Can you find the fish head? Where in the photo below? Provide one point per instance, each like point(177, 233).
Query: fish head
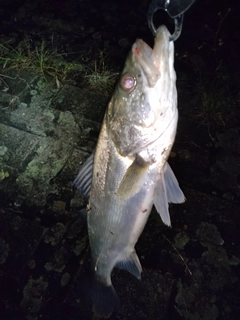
point(145, 100)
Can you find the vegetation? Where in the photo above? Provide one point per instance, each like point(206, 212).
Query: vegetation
point(47, 61)
point(99, 76)
point(212, 102)
point(211, 86)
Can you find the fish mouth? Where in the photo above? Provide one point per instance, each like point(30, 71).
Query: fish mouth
point(152, 61)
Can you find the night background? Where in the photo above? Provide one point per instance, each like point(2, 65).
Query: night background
point(59, 64)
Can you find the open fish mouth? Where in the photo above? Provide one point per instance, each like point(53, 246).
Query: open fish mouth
point(152, 60)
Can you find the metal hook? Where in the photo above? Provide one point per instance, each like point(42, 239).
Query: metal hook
point(174, 8)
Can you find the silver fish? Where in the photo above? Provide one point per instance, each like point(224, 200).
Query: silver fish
point(128, 172)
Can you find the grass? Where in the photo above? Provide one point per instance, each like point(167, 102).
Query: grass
point(212, 102)
point(45, 60)
point(40, 59)
point(101, 80)
point(98, 76)
point(212, 92)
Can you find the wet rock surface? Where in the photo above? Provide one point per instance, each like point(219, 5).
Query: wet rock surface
point(49, 124)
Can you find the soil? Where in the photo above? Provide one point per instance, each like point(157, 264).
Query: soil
point(50, 119)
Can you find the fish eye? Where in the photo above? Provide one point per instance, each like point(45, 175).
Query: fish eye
point(127, 82)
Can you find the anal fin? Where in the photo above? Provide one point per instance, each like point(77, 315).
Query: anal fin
point(132, 265)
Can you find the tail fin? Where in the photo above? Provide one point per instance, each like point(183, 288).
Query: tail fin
point(103, 297)
point(105, 300)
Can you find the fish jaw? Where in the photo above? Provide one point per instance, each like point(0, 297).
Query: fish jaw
point(138, 117)
point(163, 52)
point(143, 55)
point(155, 62)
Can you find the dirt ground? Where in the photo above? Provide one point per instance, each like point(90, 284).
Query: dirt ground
point(58, 65)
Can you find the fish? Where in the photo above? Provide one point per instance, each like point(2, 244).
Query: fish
point(128, 171)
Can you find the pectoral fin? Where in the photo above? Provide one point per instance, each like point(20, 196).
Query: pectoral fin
point(133, 179)
point(132, 265)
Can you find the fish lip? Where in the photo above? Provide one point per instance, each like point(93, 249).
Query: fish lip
point(162, 38)
point(144, 47)
point(162, 45)
point(142, 58)
point(149, 58)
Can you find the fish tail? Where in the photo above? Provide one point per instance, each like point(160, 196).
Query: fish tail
point(104, 298)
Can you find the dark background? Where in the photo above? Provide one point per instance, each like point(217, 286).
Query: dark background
point(180, 281)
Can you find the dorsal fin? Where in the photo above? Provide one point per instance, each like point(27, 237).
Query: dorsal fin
point(83, 181)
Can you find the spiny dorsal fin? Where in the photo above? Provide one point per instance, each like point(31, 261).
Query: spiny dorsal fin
point(83, 181)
